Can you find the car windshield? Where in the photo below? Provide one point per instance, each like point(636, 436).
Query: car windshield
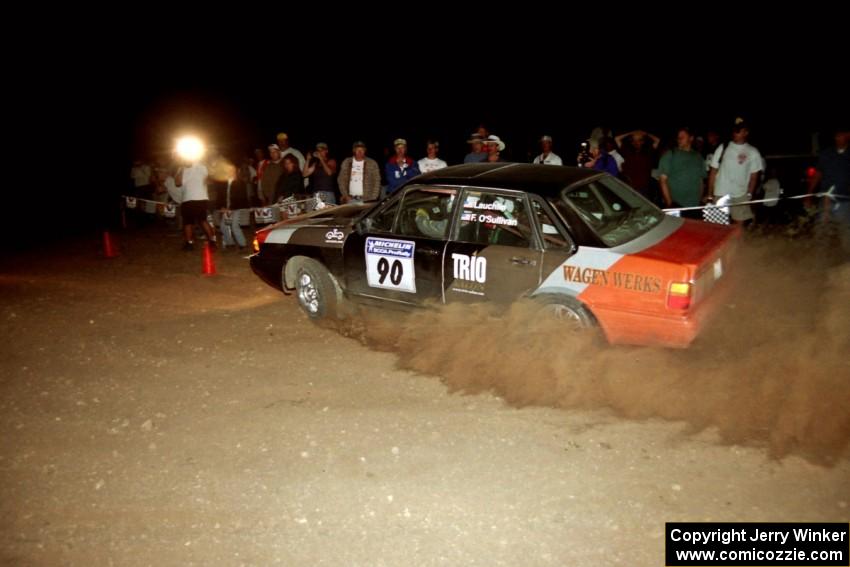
point(612, 209)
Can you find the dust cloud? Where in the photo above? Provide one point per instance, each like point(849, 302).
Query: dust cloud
point(771, 369)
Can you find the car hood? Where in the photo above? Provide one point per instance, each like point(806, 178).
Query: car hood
point(331, 217)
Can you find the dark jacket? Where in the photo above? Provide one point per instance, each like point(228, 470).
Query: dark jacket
point(606, 162)
point(238, 195)
point(400, 173)
point(289, 185)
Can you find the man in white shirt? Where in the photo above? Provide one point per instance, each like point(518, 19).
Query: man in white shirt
point(432, 162)
point(735, 171)
point(547, 157)
point(196, 203)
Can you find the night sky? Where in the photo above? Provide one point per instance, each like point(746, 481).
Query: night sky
point(103, 110)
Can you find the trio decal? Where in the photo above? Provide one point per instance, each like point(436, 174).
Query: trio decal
point(470, 273)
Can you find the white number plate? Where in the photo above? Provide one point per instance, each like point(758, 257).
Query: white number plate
point(389, 264)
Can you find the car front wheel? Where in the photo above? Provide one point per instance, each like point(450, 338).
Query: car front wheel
point(315, 290)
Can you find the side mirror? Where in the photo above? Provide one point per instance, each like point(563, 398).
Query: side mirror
point(363, 225)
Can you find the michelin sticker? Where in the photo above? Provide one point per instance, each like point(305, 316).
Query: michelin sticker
point(389, 264)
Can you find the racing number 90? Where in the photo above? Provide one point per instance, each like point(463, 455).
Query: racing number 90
point(395, 272)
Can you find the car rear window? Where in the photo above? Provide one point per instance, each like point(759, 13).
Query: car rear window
point(612, 210)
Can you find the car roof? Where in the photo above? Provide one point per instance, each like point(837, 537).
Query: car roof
point(544, 180)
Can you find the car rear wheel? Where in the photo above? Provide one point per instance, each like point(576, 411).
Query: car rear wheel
point(315, 290)
point(567, 309)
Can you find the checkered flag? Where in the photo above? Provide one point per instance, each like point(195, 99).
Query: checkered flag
point(718, 213)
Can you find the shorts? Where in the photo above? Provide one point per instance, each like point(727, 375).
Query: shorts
point(194, 212)
point(741, 212)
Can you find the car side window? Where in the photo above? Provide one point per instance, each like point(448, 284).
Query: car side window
point(494, 218)
point(553, 238)
point(426, 212)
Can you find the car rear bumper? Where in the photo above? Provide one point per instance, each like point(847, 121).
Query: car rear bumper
point(660, 329)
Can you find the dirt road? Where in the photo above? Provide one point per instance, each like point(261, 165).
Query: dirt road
point(151, 416)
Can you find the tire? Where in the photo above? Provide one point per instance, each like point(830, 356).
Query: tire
point(316, 291)
point(567, 308)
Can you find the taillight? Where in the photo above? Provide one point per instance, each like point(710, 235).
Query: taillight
point(810, 172)
point(679, 295)
point(259, 238)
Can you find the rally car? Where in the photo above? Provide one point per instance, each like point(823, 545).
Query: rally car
point(581, 243)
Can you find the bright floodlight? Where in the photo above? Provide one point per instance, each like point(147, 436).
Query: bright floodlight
point(190, 148)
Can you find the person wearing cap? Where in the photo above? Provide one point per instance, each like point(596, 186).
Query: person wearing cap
point(321, 171)
point(735, 170)
point(268, 174)
point(286, 149)
point(431, 162)
point(495, 147)
point(547, 157)
point(359, 177)
point(477, 154)
point(400, 168)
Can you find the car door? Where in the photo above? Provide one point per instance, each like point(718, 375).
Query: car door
point(495, 253)
point(558, 245)
point(396, 254)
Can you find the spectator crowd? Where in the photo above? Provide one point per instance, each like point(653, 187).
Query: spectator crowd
point(692, 171)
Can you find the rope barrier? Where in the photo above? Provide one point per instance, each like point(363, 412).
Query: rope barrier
point(718, 212)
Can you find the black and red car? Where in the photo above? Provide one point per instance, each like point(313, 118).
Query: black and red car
point(581, 243)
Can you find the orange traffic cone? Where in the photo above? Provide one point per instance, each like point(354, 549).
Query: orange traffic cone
point(209, 262)
point(110, 250)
